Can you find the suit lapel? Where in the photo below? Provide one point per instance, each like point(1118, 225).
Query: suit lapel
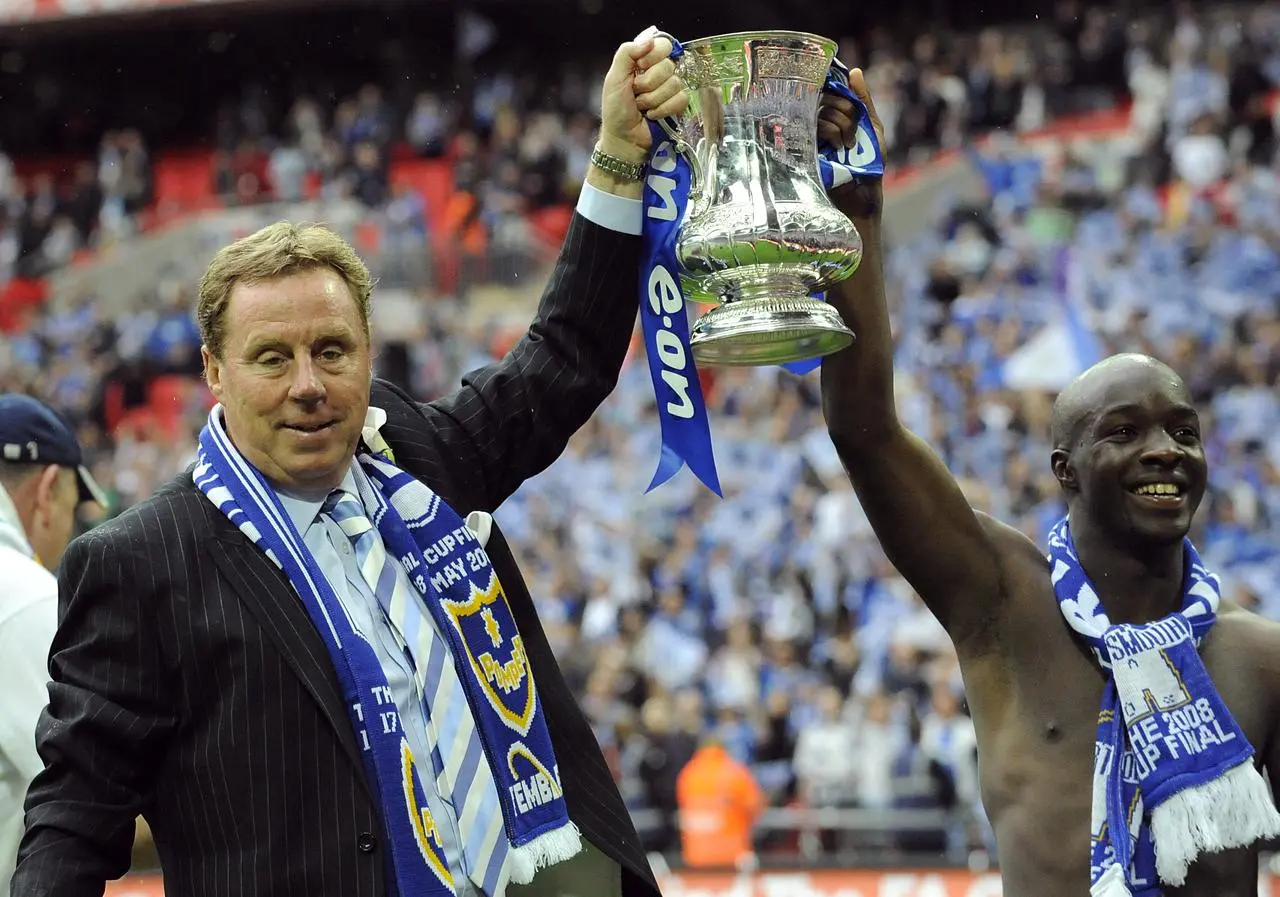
point(266, 592)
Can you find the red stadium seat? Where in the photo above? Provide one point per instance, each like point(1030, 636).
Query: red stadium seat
point(433, 178)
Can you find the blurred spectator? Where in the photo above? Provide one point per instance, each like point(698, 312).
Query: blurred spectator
point(41, 485)
point(666, 748)
point(826, 759)
point(428, 126)
point(879, 741)
point(949, 743)
point(1200, 155)
point(719, 802)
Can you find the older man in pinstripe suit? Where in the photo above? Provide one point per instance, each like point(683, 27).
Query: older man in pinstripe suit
point(190, 685)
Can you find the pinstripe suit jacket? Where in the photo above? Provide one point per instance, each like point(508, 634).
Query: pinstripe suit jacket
point(190, 686)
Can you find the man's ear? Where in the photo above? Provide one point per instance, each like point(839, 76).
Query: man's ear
point(46, 492)
point(212, 372)
point(1063, 471)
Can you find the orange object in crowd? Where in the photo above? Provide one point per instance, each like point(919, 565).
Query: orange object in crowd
point(718, 801)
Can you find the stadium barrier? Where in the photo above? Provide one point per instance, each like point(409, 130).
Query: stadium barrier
point(800, 883)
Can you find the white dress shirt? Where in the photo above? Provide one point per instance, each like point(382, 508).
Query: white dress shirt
point(336, 559)
point(614, 212)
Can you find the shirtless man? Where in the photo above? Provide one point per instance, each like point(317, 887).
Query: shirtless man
point(1033, 684)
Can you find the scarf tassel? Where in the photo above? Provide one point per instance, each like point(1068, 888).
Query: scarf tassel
point(555, 846)
point(1233, 810)
point(1111, 884)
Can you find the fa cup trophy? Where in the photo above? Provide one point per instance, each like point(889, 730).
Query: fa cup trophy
point(759, 238)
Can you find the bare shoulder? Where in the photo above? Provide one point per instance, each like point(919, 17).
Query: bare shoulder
point(1249, 646)
point(1013, 549)
point(1256, 638)
point(1243, 654)
point(1247, 627)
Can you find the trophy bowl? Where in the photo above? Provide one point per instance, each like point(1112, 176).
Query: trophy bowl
point(760, 237)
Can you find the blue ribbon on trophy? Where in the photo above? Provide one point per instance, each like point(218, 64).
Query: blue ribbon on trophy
point(682, 412)
point(664, 317)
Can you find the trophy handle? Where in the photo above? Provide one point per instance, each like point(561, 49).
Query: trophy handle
point(670, 126)
point(681, 146)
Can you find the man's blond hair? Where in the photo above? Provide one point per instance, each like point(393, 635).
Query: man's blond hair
point(277, 250)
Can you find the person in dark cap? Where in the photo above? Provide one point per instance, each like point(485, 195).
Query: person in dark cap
point(43, 481)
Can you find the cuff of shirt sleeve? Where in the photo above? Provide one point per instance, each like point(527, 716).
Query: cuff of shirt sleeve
point(618, 213)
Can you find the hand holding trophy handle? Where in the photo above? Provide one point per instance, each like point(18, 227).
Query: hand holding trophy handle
point(842, 124)
point(641, 85)
point(670, 125)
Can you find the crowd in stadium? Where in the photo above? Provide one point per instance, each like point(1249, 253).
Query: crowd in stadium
point(771, 615)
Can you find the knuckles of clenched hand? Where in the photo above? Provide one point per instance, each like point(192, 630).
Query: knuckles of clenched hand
point(836, 120)
point(642, 83)
point(862, 198)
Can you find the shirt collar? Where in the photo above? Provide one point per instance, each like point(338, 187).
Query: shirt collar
point(12, 533)
point(304, 510)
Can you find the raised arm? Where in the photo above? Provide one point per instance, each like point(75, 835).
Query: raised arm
point(516, 416)
point(103, 734)
point(923, 521)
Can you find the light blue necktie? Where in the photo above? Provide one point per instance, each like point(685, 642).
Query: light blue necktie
point(462, 774)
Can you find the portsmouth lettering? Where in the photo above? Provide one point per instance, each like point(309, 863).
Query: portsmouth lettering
point(506, 676)
point(1131, 640)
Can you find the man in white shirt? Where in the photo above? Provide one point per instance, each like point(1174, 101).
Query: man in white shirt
point(42, 482)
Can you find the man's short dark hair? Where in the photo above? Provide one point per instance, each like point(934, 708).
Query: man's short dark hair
point(14, 473)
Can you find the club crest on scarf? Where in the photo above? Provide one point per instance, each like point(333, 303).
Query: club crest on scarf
point(500, 664)
point(425, 833)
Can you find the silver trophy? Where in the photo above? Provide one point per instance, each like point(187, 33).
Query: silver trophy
point(759, 235)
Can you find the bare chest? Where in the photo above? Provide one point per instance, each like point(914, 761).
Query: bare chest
point(1049, 687)
point(1035, 704)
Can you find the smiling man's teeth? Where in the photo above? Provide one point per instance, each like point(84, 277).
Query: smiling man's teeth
point(1159, 489)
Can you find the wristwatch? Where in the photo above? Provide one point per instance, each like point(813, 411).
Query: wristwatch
point(620, 168)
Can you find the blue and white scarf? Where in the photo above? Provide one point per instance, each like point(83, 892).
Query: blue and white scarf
point(1176, 779)
point(682, 411)
point(457, 582)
